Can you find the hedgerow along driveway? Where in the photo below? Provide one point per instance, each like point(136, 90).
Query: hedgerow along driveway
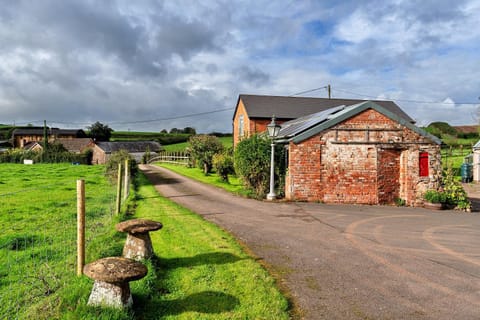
point(346, 261)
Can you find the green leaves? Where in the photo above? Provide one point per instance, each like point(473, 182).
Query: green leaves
point(454, 191)
point(252, 164)
point(202, 148)
point(223, 164)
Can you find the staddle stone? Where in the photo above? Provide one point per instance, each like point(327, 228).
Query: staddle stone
point(138, 245)
point(111, 275)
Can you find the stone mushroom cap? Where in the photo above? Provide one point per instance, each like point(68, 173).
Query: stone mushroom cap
point(115, 269)
point(138, 226)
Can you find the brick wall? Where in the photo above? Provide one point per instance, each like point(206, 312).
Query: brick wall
point(367, 159)
point(251, 126)
point(304, 167)
point(240, 111)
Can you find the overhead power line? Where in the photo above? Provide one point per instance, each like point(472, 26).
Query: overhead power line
point(307, 91)
point(405, 100)
point(173, 118)
point(135, 122)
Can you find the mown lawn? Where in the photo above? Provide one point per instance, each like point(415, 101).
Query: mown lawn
point(199, 271)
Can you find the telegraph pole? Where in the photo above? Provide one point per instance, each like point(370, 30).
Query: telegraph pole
point(45, 137)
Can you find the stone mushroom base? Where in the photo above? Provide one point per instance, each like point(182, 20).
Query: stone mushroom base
point(112, 275)
point(110, 294)
point(138, 246)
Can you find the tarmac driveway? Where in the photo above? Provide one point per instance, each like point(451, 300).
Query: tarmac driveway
point(350, 262)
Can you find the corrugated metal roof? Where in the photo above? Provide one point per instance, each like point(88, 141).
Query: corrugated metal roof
point(301, 129)
point(477, 145)
point(293, 127)
point(288, 108)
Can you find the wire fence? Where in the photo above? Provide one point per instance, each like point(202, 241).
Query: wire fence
point(38, 235)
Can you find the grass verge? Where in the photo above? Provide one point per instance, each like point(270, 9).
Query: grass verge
point(234, 185)
point(200, 271)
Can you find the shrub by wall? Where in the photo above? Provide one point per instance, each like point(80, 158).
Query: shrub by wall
point(252, 164)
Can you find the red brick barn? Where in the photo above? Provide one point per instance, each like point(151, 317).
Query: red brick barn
point(361, 154)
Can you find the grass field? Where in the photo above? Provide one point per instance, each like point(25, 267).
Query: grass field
point(38, 239)
point(454, 157)
point(179, 147)
point(199, 271)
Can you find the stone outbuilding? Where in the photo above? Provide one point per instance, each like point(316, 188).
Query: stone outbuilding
point(102, 150)
point(359, 154)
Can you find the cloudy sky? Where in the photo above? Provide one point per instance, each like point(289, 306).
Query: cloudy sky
point(153, 65)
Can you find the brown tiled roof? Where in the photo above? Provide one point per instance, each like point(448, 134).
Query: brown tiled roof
point(75, 145)
point(288, 108)
point(467, 129)
point(129, 146)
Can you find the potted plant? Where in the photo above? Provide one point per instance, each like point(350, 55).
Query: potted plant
point(435, 200)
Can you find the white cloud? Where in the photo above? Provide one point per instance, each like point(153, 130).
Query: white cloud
point(123, 61)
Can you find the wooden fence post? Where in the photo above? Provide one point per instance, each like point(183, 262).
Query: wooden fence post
point(119, 189)
point(127, 179)
point(80, 226)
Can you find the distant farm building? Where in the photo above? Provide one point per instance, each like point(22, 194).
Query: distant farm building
point(21, 137)
point(103, 150)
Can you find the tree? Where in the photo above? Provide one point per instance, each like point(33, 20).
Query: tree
point(202, 148)
point(100, 131)
point(441, 128)
point(189, 130)
point(111, 167)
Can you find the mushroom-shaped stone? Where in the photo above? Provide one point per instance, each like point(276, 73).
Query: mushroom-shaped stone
point(138, 245)
point(112, 276)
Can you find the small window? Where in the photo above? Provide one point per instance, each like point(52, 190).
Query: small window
point(423, 164)
point(240, 125)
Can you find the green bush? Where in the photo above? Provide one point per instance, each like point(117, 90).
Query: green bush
point(223, 164)
point(455, 193)
point(16, 156)
point(55, 153)
point(202, 149)
point(252, 164)
point(434, 196)
point(111, 167)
